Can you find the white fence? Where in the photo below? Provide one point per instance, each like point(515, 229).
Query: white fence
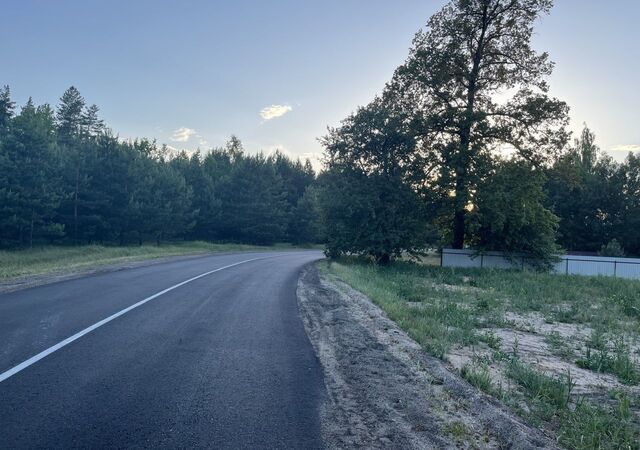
point(569, 264)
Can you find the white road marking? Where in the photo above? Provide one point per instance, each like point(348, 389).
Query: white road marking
point(34, 359)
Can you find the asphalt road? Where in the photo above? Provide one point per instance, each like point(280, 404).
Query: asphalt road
point(222, 361)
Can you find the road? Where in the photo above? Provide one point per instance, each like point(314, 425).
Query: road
point(222, 361)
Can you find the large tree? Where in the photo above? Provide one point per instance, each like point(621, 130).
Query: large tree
point(369, 196)
point(474, 85)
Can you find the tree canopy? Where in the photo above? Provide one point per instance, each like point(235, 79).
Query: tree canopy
point(430, 153)
point(65, 177)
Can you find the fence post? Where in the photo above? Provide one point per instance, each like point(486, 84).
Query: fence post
point(567, 270)
point(615, 268)
point(481, 261)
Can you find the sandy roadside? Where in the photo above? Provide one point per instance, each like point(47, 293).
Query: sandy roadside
point(385, 391)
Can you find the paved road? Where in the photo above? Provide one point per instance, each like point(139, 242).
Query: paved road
point(220, 362)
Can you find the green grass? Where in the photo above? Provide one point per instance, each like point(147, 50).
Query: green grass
point(478, 376)
point(444, 309)
point(50, 259)
point(605, 356)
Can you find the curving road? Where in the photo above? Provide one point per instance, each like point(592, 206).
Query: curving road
point(221, 361)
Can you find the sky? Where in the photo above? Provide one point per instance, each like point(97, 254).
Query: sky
point(278, 73)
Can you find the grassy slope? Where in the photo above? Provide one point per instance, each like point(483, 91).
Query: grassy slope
point(445, 309)
point(45, 260)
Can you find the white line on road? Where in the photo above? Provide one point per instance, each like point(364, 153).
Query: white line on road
point(78, 335)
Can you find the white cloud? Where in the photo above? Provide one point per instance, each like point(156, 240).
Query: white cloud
point(273, 111)
point(182, 134)
point(626, 148)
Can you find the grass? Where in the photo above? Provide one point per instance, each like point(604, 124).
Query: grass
point(478, 376)
point(50, 259)
point(446, 309)
point(604, 356)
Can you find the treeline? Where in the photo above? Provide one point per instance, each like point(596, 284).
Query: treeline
point(65, 178)
point(425, 163)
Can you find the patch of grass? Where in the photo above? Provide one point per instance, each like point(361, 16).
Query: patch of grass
point(457, 430)
point(49, 259)
point(551, 391)
point(491, 339)
point(593, 427)
point(580, 426)
point(559, 345)
point(446, 308)
point(478, 377)
point(604, 356)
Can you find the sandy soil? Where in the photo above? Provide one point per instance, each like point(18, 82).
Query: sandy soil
point(385, 392)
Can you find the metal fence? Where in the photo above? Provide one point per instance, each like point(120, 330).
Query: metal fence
point(568, 264)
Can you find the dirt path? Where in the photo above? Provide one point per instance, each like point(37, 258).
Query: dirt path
point(385, 392)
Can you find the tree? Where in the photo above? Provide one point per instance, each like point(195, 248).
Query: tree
point(7, 107)
point(253, 202)
point(368, 197)
point(91, 124)
point(586, 191)
point(305, 226)
point(472, 52)
point(29, 186)
point(630, 235)
point(70, 116)
point(510, 214)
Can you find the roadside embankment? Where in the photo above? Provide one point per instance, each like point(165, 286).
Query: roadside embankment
point(385, 391)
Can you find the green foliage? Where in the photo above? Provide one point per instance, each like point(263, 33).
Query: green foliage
point(368, 202)
point(589, 193)
point(64, 177)
point(470, 51)
point(29, 186)
point(612, 248)
point(510, 215)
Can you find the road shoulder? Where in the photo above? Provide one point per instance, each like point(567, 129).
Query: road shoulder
point(29, 281)
point(384, 391)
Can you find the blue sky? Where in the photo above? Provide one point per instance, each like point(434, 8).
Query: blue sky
point(191, 73)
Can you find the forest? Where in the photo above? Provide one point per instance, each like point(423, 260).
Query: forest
point(65, 178)
point(464, 147)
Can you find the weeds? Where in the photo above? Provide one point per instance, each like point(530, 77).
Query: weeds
point(541, 387)
point(611, 357)
point(478, 377)
point(459, 307)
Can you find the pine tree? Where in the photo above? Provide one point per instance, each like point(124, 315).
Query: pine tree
point(7, 108)
point(29, 186)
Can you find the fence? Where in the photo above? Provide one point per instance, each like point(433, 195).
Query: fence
point(568, 264)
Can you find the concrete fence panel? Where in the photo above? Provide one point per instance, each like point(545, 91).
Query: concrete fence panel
point(568, 264)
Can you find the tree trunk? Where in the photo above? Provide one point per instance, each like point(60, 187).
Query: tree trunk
point(75, 208)
point(31, 232)
point(464, 157)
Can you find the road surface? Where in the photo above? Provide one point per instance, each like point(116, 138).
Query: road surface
point(221, 361)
